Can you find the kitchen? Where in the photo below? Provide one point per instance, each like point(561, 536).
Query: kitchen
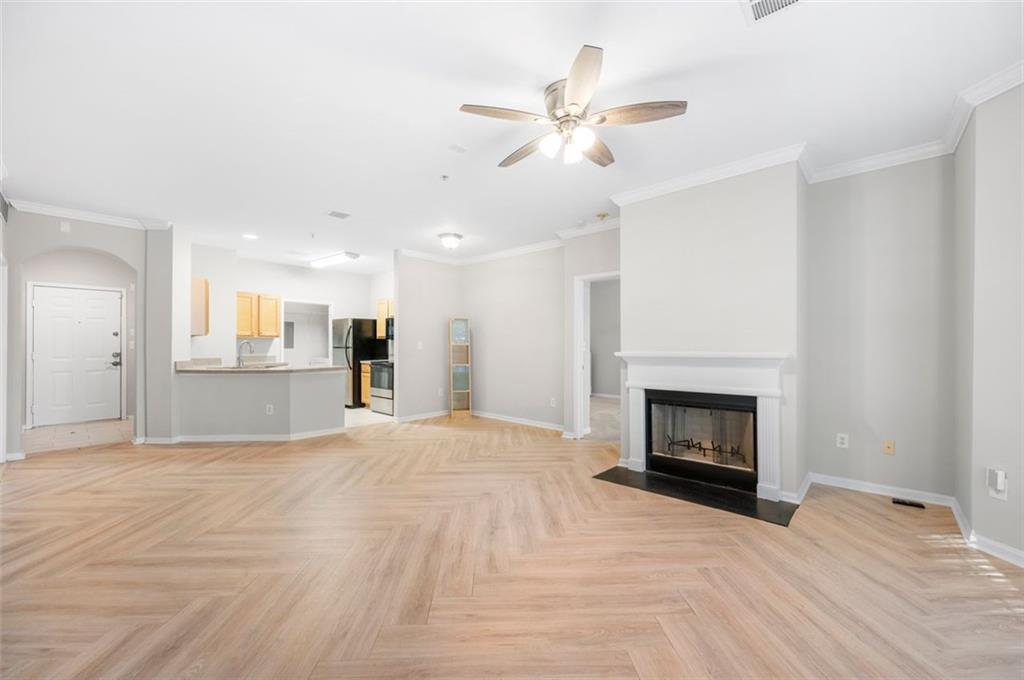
point(252, 316)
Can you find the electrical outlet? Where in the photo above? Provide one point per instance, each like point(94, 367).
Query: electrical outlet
point(440, 391)
point(889, 447)
point(270, 409)
point(554, 402)
point(65, 227)
point(842, 440)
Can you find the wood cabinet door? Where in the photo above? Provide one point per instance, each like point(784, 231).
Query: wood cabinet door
point(269, 316)
point(391, 308)
point(382, 319)
point(246, 315)
point(364, 388)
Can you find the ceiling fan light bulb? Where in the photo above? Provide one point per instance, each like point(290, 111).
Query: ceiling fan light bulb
point(550, 145)
point(572, 154)
point(583, 138)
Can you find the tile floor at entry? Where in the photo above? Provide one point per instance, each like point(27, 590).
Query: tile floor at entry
point(464, 550)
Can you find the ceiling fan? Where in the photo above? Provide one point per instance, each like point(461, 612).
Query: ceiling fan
point(568, 106)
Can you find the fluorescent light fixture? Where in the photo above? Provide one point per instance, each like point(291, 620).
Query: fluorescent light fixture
point(250, 237)
point(550, 145)
point(450, 240)
point(322, 262)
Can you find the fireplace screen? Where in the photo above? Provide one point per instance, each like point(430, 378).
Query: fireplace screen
point(707, 437)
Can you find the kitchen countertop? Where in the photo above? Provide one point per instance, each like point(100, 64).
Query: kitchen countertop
point(271, 369)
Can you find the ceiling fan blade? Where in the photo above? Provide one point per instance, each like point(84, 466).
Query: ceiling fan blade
point(582, 81)
point(632, 114)
point(600, 154)
point(504, 114)
point(521, 153)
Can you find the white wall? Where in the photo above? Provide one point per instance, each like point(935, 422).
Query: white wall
point(997, 434)
point(426, 295)
point(605, 340)
point(713, 268)
point(382, 285)
point(515, 308)
point(348, 294)
point(311, 325)
point(880, 325)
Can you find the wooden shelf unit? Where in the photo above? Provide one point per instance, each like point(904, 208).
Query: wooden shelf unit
point(460, 367)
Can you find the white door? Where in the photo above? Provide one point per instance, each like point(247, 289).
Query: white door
point(76, 362)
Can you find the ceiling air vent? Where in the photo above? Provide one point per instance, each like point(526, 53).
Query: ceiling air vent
point(340, 215)
point(756, 10)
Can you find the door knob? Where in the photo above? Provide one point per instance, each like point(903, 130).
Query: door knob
point(116, 355)
point(115, 363)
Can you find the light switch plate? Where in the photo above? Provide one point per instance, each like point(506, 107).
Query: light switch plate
point(889, 447)
point(842, 440)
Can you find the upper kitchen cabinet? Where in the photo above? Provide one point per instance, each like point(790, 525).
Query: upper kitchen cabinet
point(385, 310)
point(258, 316)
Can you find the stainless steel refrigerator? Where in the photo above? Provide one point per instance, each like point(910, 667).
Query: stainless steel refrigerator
point(355, 340)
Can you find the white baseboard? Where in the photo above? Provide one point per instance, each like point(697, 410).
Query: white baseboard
point(420, 416)
point(139, 440)
point(14, 455)
point(798, 497)
point(519, 421)
point(605, 396)
point(240, 438)
point(995, 548)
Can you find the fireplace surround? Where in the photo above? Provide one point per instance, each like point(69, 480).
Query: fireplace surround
point(751, 376)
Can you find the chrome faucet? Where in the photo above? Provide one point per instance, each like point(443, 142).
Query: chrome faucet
point(252, 350)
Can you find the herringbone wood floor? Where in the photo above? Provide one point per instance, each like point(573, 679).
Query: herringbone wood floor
point(469, 550)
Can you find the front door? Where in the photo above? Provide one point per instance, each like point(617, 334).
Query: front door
point(76, 362)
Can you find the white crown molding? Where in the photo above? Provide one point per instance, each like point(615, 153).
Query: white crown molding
point(497, 255)
point(743, 166)
point(430, 257)
point(73, 214)
point(994, 85)
point(877, 162)
point(588, 229)
point(512, 252)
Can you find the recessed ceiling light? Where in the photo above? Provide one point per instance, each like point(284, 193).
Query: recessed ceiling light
point(337, 258)
point(340, 215)
point(450, 240)
point(250, 237)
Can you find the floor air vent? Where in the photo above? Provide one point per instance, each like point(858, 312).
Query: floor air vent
point(762, 9)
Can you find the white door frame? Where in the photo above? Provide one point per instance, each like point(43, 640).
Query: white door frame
point(580, 284)
point(30, 312)
point(3, 355)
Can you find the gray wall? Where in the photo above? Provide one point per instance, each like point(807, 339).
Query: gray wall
point(605, 338)
point(880, 324)
point(426, 295)
point(997, 433)
point(963, 313)
point(28, 236)
point(515, 308)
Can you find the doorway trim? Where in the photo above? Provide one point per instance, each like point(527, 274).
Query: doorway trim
point(580, 285)
point(30, 317)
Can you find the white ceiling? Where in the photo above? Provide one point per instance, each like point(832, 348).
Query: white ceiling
point(261, 118)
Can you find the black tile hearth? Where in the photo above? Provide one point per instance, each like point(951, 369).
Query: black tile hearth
point(721, 498)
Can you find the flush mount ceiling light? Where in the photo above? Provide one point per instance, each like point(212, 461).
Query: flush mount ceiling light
point(250, 237)
point(322, 262)
point(568, 106)
point(450, 240)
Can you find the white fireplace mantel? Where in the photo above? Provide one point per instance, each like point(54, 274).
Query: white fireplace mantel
point(757, 374)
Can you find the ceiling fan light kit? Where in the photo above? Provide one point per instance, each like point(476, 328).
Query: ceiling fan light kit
point(568, 109)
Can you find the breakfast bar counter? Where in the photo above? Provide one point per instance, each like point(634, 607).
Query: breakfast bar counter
point(280, 403)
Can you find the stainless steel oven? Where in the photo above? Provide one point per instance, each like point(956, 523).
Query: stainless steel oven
point(382, 385)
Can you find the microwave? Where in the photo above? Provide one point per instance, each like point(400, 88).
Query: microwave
point(389, 328)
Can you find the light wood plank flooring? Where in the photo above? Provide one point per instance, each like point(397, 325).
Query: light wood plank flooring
point(470, 550)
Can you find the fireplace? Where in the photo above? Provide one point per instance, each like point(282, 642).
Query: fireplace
point(705, 437)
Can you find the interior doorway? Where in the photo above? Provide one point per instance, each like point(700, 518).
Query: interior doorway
point(75, 354)
point(596, 372)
